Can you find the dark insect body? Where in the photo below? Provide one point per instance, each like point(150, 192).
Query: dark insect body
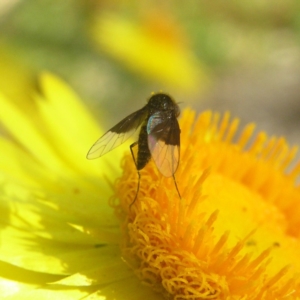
point(159, 136)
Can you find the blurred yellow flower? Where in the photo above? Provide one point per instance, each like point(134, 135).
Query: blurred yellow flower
point(154, 48)
point(231, 236)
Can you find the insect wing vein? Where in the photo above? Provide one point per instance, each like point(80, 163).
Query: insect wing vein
point(118, 134)
point(164, 143)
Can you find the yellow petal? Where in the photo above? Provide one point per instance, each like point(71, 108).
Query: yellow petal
point(48, 293)
point(109, 271)
point(128, 289)
point(146, 52)
point(14, 280)
point(27, 133)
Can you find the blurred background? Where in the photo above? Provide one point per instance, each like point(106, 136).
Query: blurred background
point(241, 56)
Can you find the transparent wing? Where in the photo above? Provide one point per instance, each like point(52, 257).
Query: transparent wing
point(164, 143)
point(117, 134)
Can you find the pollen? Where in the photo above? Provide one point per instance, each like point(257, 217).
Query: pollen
point(233, 234)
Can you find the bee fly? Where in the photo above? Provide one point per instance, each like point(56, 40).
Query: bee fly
point(159, 137)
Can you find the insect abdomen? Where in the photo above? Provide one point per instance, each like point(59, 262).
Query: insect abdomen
point(144, 154)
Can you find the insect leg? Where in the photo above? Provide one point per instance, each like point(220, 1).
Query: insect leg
point(139, 175)
point(133, 157)
point(176, 186)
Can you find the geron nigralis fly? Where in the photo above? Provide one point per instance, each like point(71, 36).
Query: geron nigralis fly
point(159, 137)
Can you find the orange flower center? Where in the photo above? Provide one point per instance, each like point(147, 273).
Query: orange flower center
point(238, 210)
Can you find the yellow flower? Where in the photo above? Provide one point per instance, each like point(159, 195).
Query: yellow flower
point(233, 235)
point(153, 48)
point(235, 232)
point(59, 237)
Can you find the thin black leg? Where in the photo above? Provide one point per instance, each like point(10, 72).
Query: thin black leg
point(176, 186)
point(139, 175)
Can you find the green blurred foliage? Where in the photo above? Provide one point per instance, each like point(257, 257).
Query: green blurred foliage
point(53, 35)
